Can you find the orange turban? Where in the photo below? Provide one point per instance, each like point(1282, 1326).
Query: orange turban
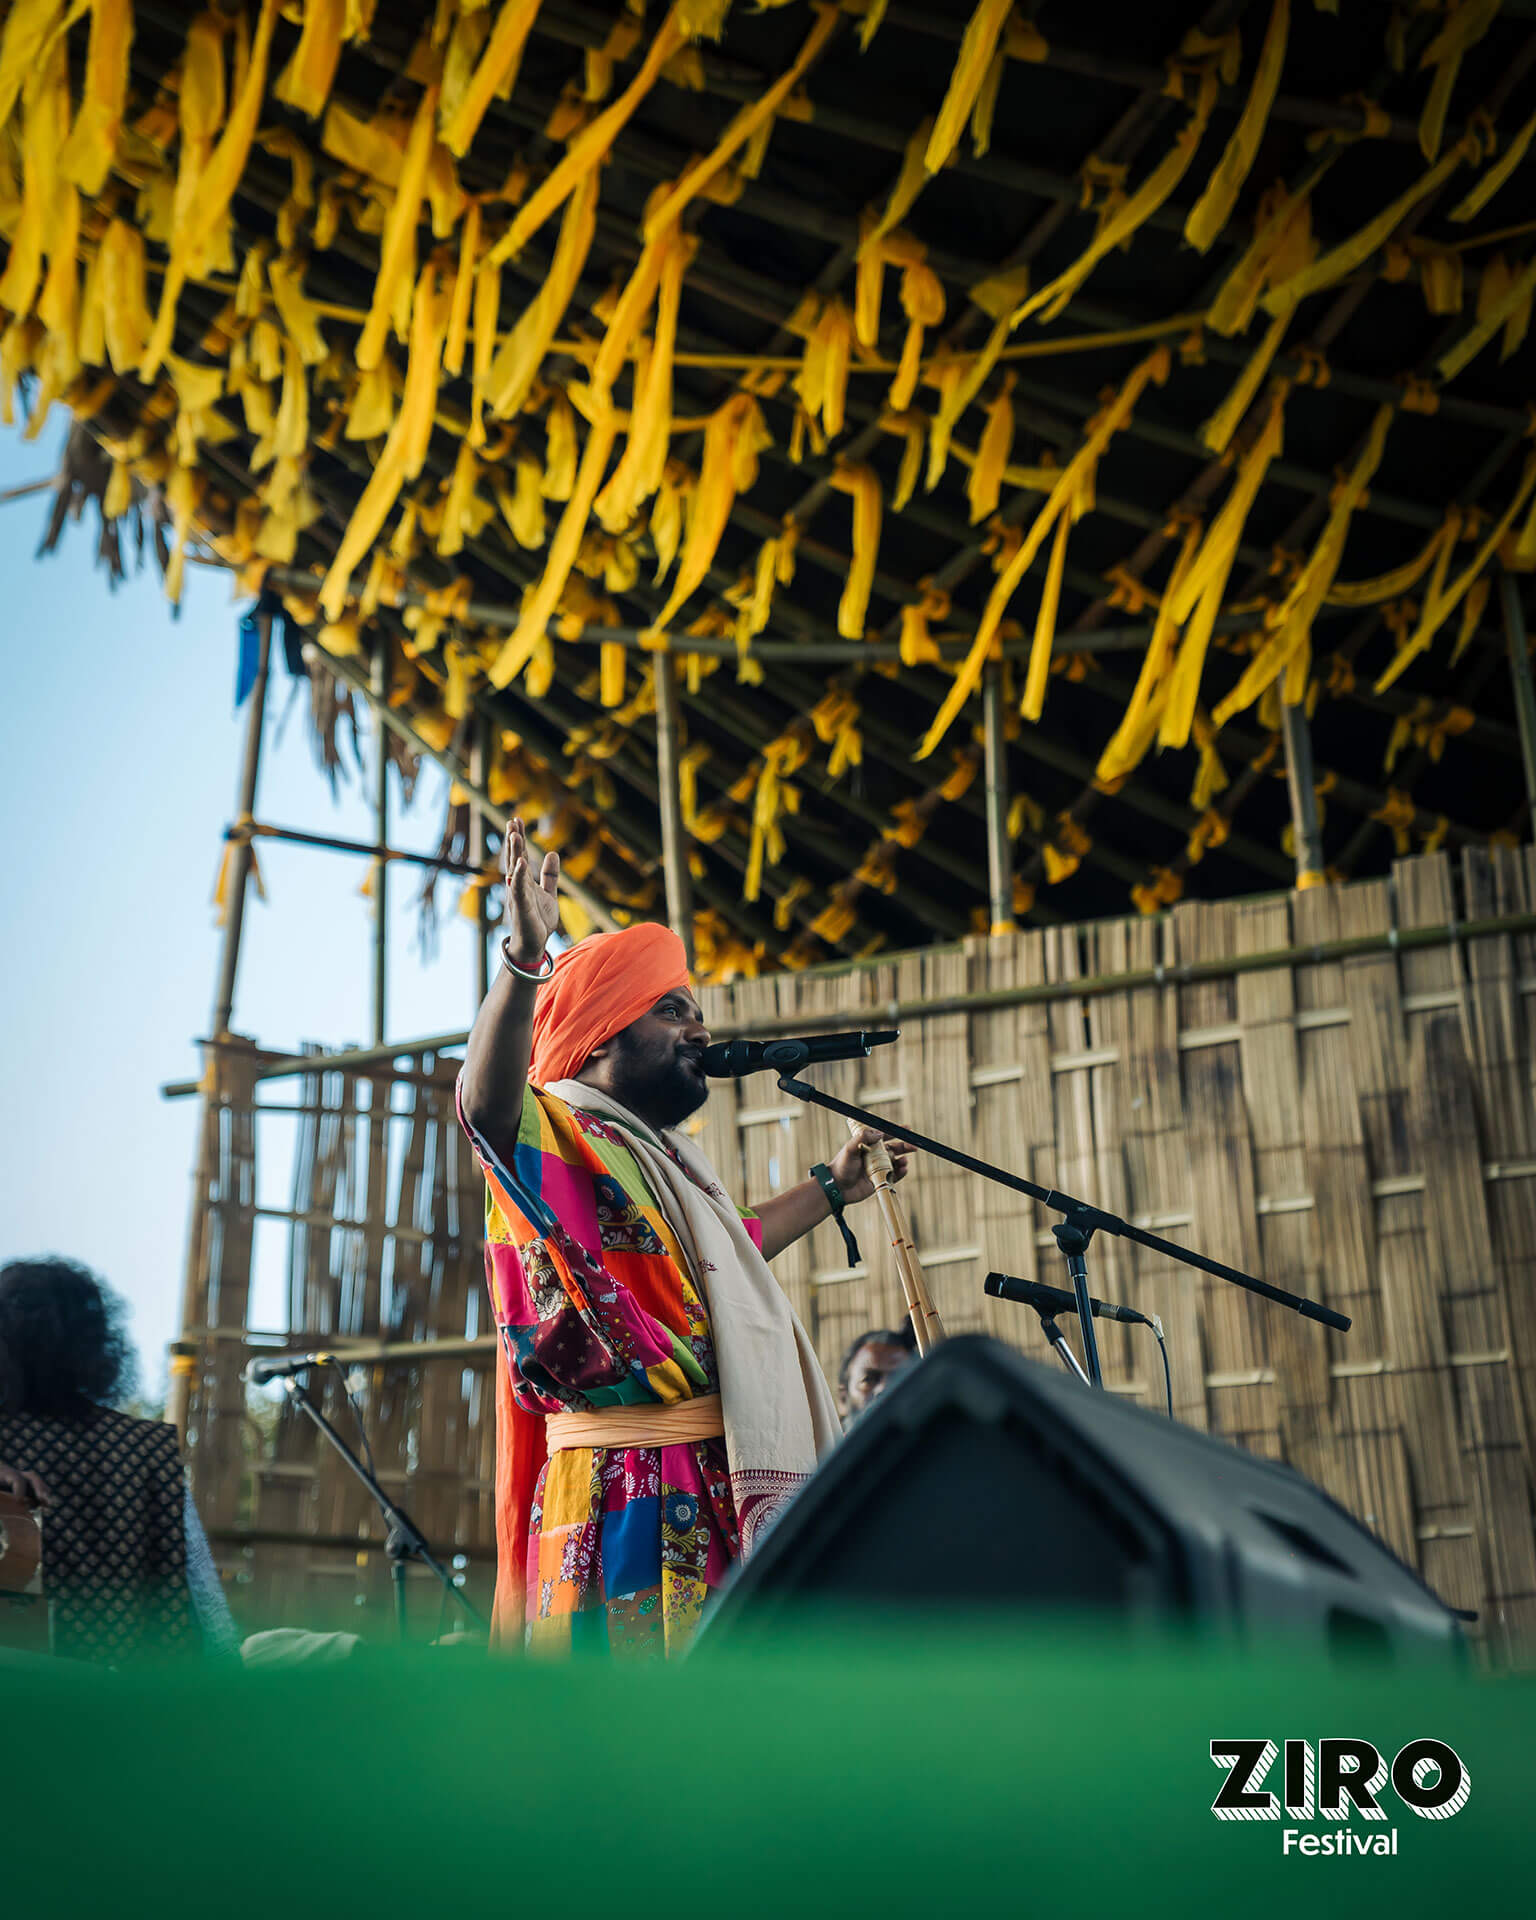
point(596, 989)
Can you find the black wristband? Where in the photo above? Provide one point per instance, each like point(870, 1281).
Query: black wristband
point(821, 1173)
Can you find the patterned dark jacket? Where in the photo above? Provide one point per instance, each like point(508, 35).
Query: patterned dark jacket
point(114, 1539)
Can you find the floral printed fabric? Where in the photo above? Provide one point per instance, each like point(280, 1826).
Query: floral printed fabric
point(596, 1308)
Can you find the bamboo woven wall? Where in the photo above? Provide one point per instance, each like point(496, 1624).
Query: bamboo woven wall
point(1362, 1132)
point(1358, 1130)
point(383, 1242)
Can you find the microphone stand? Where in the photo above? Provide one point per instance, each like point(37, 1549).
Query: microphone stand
point(1060, 1348)
point(1073, 1233)
point(404, 1541)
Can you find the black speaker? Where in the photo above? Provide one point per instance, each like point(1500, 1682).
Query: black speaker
point(983, 1480)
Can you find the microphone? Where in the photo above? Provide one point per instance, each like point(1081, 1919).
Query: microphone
point(730, 1059)
point(258, 1372)
point(1030, 1293)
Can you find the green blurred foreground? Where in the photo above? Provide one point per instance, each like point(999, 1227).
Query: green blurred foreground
point(954, 1772)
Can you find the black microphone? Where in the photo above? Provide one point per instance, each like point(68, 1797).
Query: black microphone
point(729, 1059)
point(1030, 1293)
point(259, 1372)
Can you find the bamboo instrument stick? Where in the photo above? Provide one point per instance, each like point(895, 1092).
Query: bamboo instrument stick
point(927, 1327)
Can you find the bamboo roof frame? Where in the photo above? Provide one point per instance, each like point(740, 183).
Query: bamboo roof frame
point(629, 849)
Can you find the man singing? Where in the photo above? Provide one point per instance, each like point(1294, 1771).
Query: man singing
point(657, 1399)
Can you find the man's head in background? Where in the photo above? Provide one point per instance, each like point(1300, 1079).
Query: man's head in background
point(870, 1364)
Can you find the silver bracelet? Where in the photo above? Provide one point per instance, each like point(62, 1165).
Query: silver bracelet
point(522, 972)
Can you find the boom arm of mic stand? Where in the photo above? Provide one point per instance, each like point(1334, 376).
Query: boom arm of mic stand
point(1089, 1219)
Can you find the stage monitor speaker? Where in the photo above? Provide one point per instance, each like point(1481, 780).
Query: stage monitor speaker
point(982, 1480)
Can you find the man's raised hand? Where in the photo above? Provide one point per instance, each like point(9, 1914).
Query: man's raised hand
point(533, 904)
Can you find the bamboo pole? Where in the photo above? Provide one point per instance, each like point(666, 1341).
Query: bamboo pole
point(1300, 782)
point(674, 845)
point(479, 772)
point(372, 849)
point(240, 870)
point(927, 1327)
point(1520, 675)
point(999, 863)
point(381, 834)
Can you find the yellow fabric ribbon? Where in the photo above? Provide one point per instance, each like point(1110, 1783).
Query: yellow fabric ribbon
point(1217, 432)
point(1291, 623)
point(542, 599)
point(982, 34)
point(744, 125)
point(1472, 204)
point(586, 152)
point(984, 488)
point(1138, 727)
point(517, 361)
point(1466, 23)
point(1049, 300)
point(1064, 502)
point(494, 75)
point(1489, 320)
point(863, 483)
point(1353, 252)
point(1211, 212)
point(305, 83)
point(1198, 599)
point(398, 247)
point(732, 442)
point(1441, 602)
point(1395, 583)
point(405, 450)
point(92, 145)
point(198, 221)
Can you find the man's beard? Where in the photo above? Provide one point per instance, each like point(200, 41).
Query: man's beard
point(664, 1095)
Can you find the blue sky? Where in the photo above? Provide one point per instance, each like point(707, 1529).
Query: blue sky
point(117, 777)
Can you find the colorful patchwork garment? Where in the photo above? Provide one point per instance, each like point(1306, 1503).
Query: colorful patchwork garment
point(615, 1547)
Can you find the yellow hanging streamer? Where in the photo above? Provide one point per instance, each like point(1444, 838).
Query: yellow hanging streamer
point(1211, 212)
point(1218, 430)
point(732, 441)
point(305, 83)
point(1497, 175)
point(1039, 672)
point(1067, 494)
point(92, 145)
point(1465, 25)
point(1197, 600)
point(640, 470)
point(29, 26)
point(197, 223)
point(1351, 253)
point(1131, 214)
point(993, 451)
point(590, 147)
point(864, 484)
point(910, 182)
point(1488, 323)
point(696, 178)
point(1291, 622)
point(463, 293)
point(519, 357)
point(398, 247)
point(405, 450)
point(1129, 744)
point(1400, 580)
point(1440, 604)
point(496, 73)
point(966, 81)
point(541, 601)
